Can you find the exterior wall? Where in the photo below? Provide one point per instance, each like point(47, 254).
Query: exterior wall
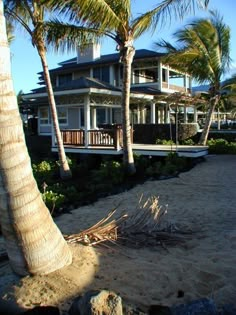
point(44, 130)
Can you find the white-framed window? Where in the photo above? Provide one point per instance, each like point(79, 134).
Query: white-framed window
point(62, 114)
point(44, 116)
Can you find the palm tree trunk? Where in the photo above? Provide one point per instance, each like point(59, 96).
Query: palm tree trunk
point(34, 243)
point(65, 171)
point(204, 136)
point(127, 59)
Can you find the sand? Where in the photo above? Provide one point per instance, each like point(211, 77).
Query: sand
point(202, 200)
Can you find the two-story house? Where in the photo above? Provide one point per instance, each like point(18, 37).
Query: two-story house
point(88, 91)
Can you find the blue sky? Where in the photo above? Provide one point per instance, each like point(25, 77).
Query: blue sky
point(26, 63)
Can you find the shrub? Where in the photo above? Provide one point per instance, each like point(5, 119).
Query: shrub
point(221, 146)
point(111, 171)
point(53, 200)
point(165, 142)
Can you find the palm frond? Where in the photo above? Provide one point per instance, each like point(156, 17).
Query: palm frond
point(166, 11)
point(67, 37)
point(201, 49)
point(102, 13)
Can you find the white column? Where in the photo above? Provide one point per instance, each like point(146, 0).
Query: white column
point(195, 118)
point(160, 76)
point(153, 112)
point(94, 117)
point(168, 77)
point(161, 115)
point(86, 119)
point(185, 115)
point(138, 113)
point(167, 114)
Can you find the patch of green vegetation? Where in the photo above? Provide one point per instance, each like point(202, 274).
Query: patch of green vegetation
point(221, 146)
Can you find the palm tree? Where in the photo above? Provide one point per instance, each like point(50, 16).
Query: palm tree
point(34, 243)
point(31, 16)
point(113, 19)
point(203, 50)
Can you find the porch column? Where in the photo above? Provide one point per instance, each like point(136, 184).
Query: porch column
point(160, 76)
point(86, 119)
point(138, 113)
point(185, 115)
point(195, 117)
point(167, 114)
point(153, 112)
point(94, 117)
point(142, 115)
point(161, 115)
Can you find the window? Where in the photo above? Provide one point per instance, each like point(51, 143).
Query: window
point(101, 116)
point(44, 116)
point(62, 115)
point(64, 78)
point(102, 73)
point(145, 76)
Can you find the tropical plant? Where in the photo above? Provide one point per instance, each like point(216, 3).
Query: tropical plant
point(30, 15)
point(113, 19)
point(33, 242)
point(202, 50)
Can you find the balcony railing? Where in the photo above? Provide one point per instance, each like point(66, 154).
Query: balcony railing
point(111, 137)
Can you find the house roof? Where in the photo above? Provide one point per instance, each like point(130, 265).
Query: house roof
point(81, 83)
point(103, 60)
point(110, 58)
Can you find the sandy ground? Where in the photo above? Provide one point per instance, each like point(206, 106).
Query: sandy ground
point(203, 200)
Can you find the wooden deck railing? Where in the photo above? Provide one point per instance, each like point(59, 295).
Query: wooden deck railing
point(111, 137)
point(73, 137)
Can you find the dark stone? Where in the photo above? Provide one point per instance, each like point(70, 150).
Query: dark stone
point(159, 310)
point(97, 302)
point(198, 307)
point(227, 309)
point(44, 310)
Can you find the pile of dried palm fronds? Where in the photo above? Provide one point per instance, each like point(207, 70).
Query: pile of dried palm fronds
point(143, 228)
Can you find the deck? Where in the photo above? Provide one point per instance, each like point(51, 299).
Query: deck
point(108, 141)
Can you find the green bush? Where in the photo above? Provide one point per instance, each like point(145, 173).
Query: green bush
point(53, 200)
point(188, 142)
point(111, 171)
point(165, 142)
point(44, 172)
point(221, 146)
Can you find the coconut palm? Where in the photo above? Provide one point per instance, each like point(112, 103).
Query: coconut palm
point(34, 243)
point(113, 19)
point(31, 17)
point(202, 50)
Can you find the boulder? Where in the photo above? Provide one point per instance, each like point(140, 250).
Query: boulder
point(96, 303)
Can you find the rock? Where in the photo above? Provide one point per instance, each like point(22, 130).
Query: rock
point(227, 309)
point(159, 310)
point(199, 307)
point(96, 303)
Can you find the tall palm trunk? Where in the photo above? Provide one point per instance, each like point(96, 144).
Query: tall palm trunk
point(127, 59)
point(204, 136)
point(33, 241)
point(65, 171)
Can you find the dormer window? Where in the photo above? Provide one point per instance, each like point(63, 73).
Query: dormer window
point(102, 73)
point(64, 78)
